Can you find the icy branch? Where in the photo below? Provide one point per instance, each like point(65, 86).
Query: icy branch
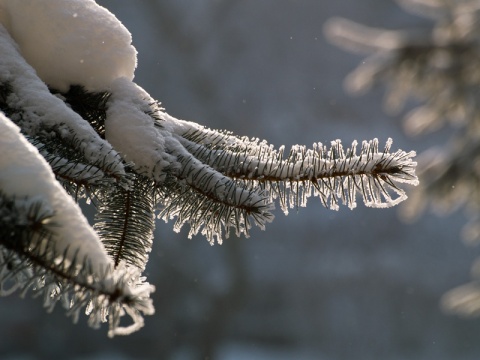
point(224, 180)
point(333, 174)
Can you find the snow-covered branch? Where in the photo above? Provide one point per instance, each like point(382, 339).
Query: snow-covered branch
point(75, 125)
point(47, 245)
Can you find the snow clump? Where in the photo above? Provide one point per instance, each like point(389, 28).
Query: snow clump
point(70, 42)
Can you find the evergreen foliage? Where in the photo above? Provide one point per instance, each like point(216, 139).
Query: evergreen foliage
point(212, 180)
point(438, 68)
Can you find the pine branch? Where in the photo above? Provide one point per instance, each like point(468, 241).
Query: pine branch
point(437, 66)
point(47, 246)
point(224, 180)
point(209, 211)
point(72, 169)
point(334, 173)
point(66, 154)
point(29, 261)
point(119, 148)
point(91, 106)
point(125, 221)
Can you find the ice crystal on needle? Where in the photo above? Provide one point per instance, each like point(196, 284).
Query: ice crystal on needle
point(74, 113)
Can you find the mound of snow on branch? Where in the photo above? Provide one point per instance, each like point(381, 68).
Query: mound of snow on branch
point(84, 45)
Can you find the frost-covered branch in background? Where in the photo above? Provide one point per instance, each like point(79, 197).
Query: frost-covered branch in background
point(439, 68)
point(76, 124)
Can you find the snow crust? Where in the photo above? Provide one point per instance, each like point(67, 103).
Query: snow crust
point(26, 174)
point(70, 42)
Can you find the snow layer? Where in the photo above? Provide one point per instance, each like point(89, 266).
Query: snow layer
point(25, 174)
point(132, 131)
point(41, 109)
point(70, 41)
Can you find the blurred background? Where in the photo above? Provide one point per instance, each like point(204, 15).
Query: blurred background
point(316, 284)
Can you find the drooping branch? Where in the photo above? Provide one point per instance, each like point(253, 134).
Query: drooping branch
point(48, 247)
point(211, 212)
point(30, 261)
point(125, 221)
point(334, 173)
point(104, 137)
point(224, 180)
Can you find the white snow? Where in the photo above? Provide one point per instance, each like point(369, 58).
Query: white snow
point(40, 108)
point(26, 175)
point(132, 132)
point(70, 42)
